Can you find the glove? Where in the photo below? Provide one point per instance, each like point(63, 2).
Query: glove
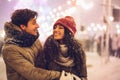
point(83, 78)
point(76, 77)
point(66, 76)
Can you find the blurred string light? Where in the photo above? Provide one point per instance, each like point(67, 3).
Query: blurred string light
point(69, 2)
point(70, 10)
point(118, 28)
point(2, 34)
point(9, 0)
point(54, 10)
point(85, 5)
point(96, 28)
point(24, 4)
point(41, 9)
point(111, 18)
point(118, 31)
point(59, 8)
point(82, 3)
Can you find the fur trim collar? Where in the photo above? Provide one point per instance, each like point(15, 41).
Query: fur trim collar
point(14, 35)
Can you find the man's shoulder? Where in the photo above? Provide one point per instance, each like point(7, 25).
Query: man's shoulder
point(38, 42)
point(9, 46)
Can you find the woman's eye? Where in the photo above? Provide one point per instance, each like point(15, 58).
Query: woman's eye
point(58, 26)
point(61, 28)
point(54, 27)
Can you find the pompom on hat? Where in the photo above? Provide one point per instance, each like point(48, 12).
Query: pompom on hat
point(67, 22)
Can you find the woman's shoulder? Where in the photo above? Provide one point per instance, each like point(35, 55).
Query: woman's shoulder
point(78, 42)
point(49, 39)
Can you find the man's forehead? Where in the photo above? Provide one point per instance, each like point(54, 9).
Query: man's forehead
point(33, 19)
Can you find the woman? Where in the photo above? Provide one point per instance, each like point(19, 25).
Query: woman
point(63, 52)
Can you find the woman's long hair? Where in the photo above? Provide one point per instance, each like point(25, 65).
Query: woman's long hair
point(74, 46)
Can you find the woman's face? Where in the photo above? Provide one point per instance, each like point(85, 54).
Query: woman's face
point(58, 32)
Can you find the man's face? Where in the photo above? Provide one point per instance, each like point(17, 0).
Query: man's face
point(32, 27)
point(58, 32)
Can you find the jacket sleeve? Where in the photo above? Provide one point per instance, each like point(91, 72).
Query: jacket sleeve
point(40, 60)
point(81, 57)
point(84, 67)
point(26, 68)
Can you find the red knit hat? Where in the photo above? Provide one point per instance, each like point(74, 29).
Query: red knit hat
point(67, 22)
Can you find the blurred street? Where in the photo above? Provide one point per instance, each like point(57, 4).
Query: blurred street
point(98, 69)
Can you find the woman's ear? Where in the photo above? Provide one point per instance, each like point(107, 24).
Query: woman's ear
point(23, 27)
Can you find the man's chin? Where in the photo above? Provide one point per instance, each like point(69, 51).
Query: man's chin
point(57, 38)
point(35, 34)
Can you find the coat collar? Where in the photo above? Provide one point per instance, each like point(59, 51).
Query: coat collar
point(14, 35)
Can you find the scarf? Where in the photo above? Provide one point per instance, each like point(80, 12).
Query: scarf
point(24, 40)
point(64, 59)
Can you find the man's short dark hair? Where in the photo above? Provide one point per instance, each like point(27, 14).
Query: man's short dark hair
point(22, 16)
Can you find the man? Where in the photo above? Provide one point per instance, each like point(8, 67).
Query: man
point(22, 46)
